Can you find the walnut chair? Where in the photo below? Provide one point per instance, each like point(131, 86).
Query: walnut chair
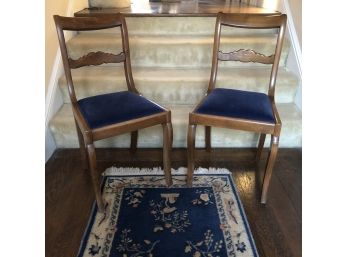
point(107, 115)
point(237, 109)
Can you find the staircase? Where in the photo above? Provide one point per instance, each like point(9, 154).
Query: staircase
point(171, 60)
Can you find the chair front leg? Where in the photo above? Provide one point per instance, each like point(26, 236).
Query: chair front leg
point(269, 168)
point(260, 147)
point(191, 138)
point(134, 141)
point(95, 177)
point(83, 149)
point(208, 138)
point(167, 147)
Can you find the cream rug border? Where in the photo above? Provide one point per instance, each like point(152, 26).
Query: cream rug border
point(124, 171)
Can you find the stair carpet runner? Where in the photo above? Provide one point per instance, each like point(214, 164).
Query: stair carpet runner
point(171, 60)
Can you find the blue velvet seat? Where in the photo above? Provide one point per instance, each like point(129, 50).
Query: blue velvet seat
point(237, 104)
point(108, 109)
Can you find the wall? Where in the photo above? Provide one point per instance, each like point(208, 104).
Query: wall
point(296, 11)
point(53, 65)
point(60, 7)
point(51, 45)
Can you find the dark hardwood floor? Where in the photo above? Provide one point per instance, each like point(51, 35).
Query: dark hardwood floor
point(276, 227)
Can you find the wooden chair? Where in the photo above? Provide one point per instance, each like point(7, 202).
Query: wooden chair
point(112, 114)
point(236, 109)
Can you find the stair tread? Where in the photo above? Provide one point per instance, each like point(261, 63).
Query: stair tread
point(173, 51)
point(287, 111)
point(100, 38)
point(177, 85)
point(114, 40)
point(177, 26)
point(159, 73)
point(64, 132)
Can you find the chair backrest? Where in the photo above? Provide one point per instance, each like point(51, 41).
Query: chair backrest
point(249, 21)
point(93, 58)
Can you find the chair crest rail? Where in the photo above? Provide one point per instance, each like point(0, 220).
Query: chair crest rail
point(96, 58)
point(244, 55)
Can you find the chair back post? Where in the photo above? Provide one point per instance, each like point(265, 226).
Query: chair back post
point(279, 45)
point(216, 47)
point(93, 58)
point(64, 52)
point(127, 62)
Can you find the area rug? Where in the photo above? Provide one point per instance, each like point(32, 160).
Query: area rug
point(144, 218)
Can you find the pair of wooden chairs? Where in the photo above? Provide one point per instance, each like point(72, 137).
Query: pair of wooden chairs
point(103, 116)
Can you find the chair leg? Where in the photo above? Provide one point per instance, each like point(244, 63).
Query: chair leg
point(134, 141)
point(167, 147)
point(260, 147)
point(269, 168)
point(208, 138)
point(83, 150)
point(171, 133)
point(191, 138)
point(95, 176)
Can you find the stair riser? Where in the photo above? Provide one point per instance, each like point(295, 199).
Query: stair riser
point(181, 90)
point(197, 52)
point(180, 26)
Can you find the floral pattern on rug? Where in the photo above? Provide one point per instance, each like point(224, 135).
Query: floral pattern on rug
point(207, 247)
point(128, 247)
point(167, 216)
point(144, 218)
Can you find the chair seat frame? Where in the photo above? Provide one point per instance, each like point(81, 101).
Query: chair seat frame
point(86, 135)
point(256, 21)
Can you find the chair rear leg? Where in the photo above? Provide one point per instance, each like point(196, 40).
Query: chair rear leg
point(260, 147)
point(83, 150)
point(167, 147)
point(269, 168)
point(208, 138)
point(95, 177)
point(191, 138)
point(134, 141)
point(171, 133)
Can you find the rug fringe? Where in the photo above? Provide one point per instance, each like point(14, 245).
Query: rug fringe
point(121, 171)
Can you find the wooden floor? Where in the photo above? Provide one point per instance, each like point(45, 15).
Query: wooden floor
point(276, 227)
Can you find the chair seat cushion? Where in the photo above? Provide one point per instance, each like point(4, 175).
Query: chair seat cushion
point(108, 109)
point(238, 104)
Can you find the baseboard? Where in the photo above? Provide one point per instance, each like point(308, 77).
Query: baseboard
point(50, 145)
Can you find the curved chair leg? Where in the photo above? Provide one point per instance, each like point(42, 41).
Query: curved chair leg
point(83, 149)
point(269, 168)
point(134, 141)
point(95, 176)
point(208, 138)
point(191, 138)
point(167, 147)
point(260, 147)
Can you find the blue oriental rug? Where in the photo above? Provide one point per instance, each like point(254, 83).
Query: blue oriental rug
point(144, 218)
